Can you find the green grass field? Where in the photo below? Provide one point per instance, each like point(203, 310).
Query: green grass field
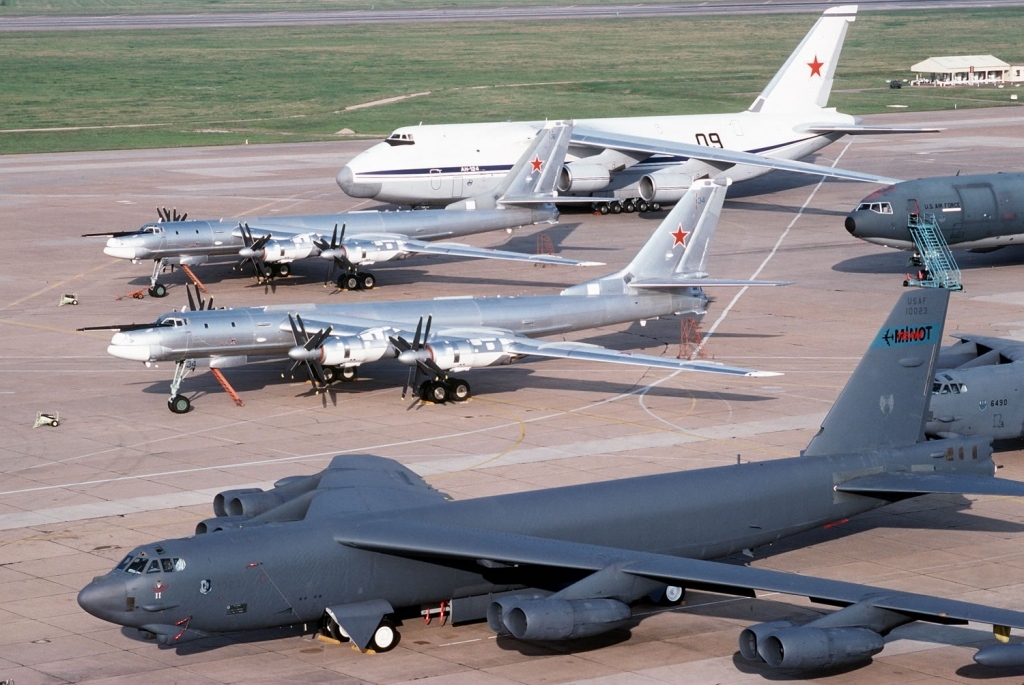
point(225, 86)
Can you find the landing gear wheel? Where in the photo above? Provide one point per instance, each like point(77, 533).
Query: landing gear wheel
point(158, 290)
point(348, 282)
point(458, 390)
point(642, 206)
point(348, 373)
point(615, 208)
point(366, 281)
point(434, 391)
point(334, 630)
point(385, 638)
point(330, 374)
point(284, 270)
point(673, 595)
point(179, 404)
point(603, 208)
point(655, 206)
point(628, 206)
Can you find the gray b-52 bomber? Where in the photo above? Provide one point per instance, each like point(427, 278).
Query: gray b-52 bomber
point(461, 333)
point(271, 244)
point(355, 545)
point(977, 389)
point(979, 213)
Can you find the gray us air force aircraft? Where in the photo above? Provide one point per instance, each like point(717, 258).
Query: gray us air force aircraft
point(523, 196)
point(461, 333)
point(980, 213)
point(978, 389)
point(626, 163)
point(366, 539)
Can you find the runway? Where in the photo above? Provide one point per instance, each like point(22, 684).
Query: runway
point(430, 16)
point(121, 470)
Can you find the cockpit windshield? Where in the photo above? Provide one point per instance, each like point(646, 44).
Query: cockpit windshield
point(152, 229)
point(172, 321)
point(876, 207)
point(397, 138)
point(132, 564)
point(939, 388)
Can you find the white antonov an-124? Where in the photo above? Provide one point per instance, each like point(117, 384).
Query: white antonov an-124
point(632, 162)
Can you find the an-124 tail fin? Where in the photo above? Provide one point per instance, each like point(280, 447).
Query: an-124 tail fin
point(805, 80)
point(885, 401)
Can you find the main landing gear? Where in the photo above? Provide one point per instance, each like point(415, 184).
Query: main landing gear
point(628, 205)
point(345, 374)
point(441, 390)
point(356, 280)
point(385, 636)
point(179, 404)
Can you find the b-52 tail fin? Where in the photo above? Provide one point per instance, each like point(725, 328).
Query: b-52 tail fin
point(885, 401)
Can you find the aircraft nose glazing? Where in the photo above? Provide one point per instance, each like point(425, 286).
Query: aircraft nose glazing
point(118, 248)
point(105, 598)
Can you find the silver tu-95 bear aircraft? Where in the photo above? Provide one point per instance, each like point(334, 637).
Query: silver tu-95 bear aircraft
point(357, 544)
point(524, 196)
point(333, 340)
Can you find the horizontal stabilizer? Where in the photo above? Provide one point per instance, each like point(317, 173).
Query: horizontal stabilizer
point(595, 353)
point(932, 483)
point(460, 250)
point(626, 143)
point(854, 130)
point(414, 538)
point(702, 282)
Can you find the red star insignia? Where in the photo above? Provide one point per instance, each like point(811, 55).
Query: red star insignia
point(537, 163)
point(815, 66)
point(679, 236)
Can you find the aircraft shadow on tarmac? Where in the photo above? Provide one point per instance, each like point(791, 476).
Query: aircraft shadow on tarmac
point(391, 376)
point(895, 261)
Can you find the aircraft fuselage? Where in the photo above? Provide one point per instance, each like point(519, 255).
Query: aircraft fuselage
point(273, 574)
point(973, 212)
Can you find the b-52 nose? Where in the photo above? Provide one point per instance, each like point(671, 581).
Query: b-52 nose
point(105, 598)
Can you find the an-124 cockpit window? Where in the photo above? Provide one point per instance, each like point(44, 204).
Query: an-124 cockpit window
point(876, 207)
point(400, 139)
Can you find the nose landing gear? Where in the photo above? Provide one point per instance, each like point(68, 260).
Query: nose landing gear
point(179, 404)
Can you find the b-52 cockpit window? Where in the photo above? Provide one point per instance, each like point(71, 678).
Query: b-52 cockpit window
point(137, 565)
point(948, 388)
point(876, 207)
point(124, 563)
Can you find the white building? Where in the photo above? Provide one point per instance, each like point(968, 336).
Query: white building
point(968, 70)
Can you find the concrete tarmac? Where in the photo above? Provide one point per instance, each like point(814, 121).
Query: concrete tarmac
point(121, 469)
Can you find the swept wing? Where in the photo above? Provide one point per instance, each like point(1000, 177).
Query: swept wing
point(403, 537)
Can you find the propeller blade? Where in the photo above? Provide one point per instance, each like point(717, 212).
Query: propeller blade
point(341, 238)
point(302, 327)
point(184, 216)
point(416, 338)
point(209, 303)
point(191, 302)
point(408, 380)
point(334, 236)
point(426, 333)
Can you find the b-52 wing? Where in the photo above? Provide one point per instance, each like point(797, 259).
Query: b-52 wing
point(404, 537)
point(715, 155)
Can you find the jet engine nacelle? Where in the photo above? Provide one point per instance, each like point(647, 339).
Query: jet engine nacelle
point(665, 186)
point(813, 648)
point(371, 251)
point(283, 251)
point(221, 500)
point(583, 177)
point(527, 618)
point(350, 350)
point(251, 504)
point(220, 523)
point(470, 353)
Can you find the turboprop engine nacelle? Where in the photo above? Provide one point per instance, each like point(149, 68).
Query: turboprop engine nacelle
point(371, 251)
point(528, 618)
point(813, 648)
point(283, 251)
point(665, 186)
point(460, 354)
point(350, 350)
point(583, 177)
